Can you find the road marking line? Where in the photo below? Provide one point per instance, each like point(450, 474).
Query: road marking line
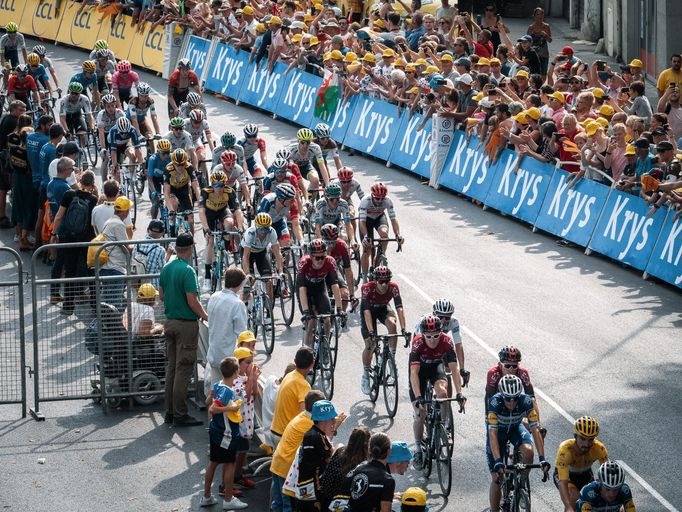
point(546, 398)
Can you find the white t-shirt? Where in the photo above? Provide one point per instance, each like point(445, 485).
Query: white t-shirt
point(52, 171)
point(138, 313)
point(102, 213)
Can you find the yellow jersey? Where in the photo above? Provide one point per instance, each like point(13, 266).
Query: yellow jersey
point(569, 460)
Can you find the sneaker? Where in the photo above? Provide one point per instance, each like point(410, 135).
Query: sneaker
point(234, 504)
point(235, 491)
point(246, 482)
point(364, 384)
point(207, 501)
point(417, 461)
point(5, 223)
point(207, 285)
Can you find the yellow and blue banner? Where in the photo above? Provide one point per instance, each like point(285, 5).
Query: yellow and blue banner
point(41, 18)
point(79, 25)
point(147, 48)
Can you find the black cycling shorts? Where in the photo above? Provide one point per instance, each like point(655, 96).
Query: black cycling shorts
point(375, 224)
point(75, 122)
point(428, 373)
point(215, 219)
point(580, 480)
point(318, 299)
point(262, 262)
point(380, 313)
point(184, 200)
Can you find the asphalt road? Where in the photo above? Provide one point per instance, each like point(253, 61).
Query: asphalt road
point(596, 338)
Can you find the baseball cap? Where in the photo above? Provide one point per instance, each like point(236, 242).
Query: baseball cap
point(534, 113)
point(465, 79)
point(603, 122)
point(323, 410)
point(520, 118)
point(298, 24)
point(447, 57)
point(598, 93)
point(641, 143)
point(558, 96)
point(147, 291)
point(261, 28)
point(478, 97)
point(327, 56)
point(369, 57)
point(235, 416)
point(463, 62)
point(388, 53)
point(566, 50)
point(246, 336)
point(156, 226)
point(399, 452)
point(525, 38)
point(184, 240)
point(420, 62)
point(664, 145)
point(495, 61)
point(523, 73)
point(247, 9)
point(483, 62)
point(414, 497)
point(378, 23)
point(606, 110)
point(336, 55)
point(636, 63)
point(296, 38)
point(314, 41)
point(658, 131)
point(242, 353)
point(350, 57)
point(122, 204)
point(591, 128)
point(275, 20)
point(399, 63)
point(430, 70)
point(630, 150)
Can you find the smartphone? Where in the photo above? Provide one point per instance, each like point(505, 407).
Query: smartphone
point(600, 65)
point(673, 85)
point(624, 90)
point(559, 136)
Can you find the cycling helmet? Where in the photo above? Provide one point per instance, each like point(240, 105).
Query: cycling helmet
point(22, 69)
point(163, 145)
point(124, 66)
point(74, 87)
point(108, 99)
point(179, 156)
point(218, 176)
point(330, 232)
point(345, 174)
point(228, 158)
point(40, 50)
point(228, 139)
point(11, 27)
point(123, 124)
point(196, 115)
point(280, 164)
point(101, 44)
point(89, 65)
point(102, 54)
point(193, 98)
point(510, 386)
point(250, 130)
point(304, 135)
point(611, 475)
point(322, 131)
point(177, 122)
point(184, 63)
point(33, 59)
point(283, 153)
point(510, 354)
point(379, 190)
point(143, 88)
point(586, 426)
point(332, 191)
point(285, 191)
point(263, 220)
point(317, 246)
point(382, 273)
point(430, 323)
point(443, 307)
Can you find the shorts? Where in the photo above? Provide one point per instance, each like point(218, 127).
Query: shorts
point(41, 193)
point(124, 95)
point(215, 219)
point(243, 445)
point(262, 262)
point(102, 85)
point(120, 153)
point(75, 122)
point(305, 169)
point(428, 373)
point(12, 55)
point(516, 436)
point(318, 299)
point(577, 480)
point(375, 224)
point(281, 229)
point(179, 97)
point(341, 277)
point(220, 455)
point(380, 313)
point(158, 185)
point(252, 166)
point(145, 127)
point(184, 200)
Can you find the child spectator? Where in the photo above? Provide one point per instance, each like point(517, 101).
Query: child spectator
point(245, 387)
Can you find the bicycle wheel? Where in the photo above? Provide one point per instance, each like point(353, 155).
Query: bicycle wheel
point(443, 460)
point(428, 451)
point(92, 148)
point(130, 193)
point(326, 382)
point(334, 339)
point(287, 298)
point(266, 324)
point(216, 271)
point(390, 381)
point(374, 377)
point(357, 266)
point(520, 501)
point(139, 180)
point(449, 423)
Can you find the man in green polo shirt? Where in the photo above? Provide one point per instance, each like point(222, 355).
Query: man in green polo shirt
point(179, 290)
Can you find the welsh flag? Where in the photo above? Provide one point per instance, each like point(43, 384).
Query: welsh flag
point(327, 97)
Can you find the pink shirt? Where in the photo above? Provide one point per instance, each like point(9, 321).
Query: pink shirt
point(124, 80)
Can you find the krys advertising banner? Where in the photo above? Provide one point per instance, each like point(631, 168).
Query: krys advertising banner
point(227, 70)
point(373, 127)
point(297, 102)
point(466, 168)
point(262, 88)
point(79, 26)
point(412, 148)
point(197, 53)
point(666, 257)
point(40, 18)
point(340, 119)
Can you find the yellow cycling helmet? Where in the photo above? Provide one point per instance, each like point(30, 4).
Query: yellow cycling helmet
point(414, 496)
point(179, 156)
point(11, 27)
point(33, 59)
point(587, 427)
point(89, 65)
point(218, 176)
point(163, 145)
point(263, 220)
point(305, 135)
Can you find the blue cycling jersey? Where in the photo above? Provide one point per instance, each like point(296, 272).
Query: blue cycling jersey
point(500, 417)
point(589, 495)
point(267, 205)
point(39, 74)
point(156, 166)
point(84, 81)
point(116, 139)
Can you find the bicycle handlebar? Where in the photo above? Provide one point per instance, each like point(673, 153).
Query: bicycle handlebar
point(520, 466)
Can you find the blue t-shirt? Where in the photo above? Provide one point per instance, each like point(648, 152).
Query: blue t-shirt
point(221, 430)
point(47, 153)
point(156, 166)
point(590, 495)
point(55, 191)
point(34, 144)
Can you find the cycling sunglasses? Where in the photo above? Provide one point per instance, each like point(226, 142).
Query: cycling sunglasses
point(318, 258)
point(510, 366)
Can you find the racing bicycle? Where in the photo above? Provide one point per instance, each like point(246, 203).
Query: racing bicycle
point(515, 484)
point(383, 372)
point(377, 257)
point(260, 319)
point(221, 259)
point(322, 375)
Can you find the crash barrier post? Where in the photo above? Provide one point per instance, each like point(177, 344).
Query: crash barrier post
point(12, 331)
point(90, 354)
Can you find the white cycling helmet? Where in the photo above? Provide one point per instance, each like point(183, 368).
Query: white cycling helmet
point(510, 386)
point(283, 153)
point(280, 163)
point(193, 98)
point(123, 125)
point(611, 475)
point(144, 88)
point(443, 307)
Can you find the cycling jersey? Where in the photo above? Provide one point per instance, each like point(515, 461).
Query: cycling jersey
point(134, 109)
point(250, 148)
point(184, 141)
point(428, 358)
point(366, 486)
point(179, 179)
point(174, 80)
point(85, 81)
point(371, 298)
point(368, 209)
point(110, 55)
point(452, 328)
point(303, 160)
point(47, 62)
point(219, 150)
point(501, 418)
point(117, 139)
point(68, 107)
point(495, 374)
point(124, 81)
point(354, 187)
point(329, 147)
point(326, 215)
point(591, 501)
point(20, 87)
point(197, 132)
point(39, 75)
point(269, 205)
point(8, 45)
point(255, 244)
point(212, 200)
point(570, 463)
point(235, 176)
point(311, 276)
point(156, 167)
point(184, 109)
point(270, 183)
point(102, 71)
point(340, 253)
point(104, 120)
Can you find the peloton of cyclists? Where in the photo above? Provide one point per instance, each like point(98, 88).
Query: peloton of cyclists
point(139, 107)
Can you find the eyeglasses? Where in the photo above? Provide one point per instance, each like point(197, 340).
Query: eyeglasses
point(514, 399)
point(178, 128)
point(382, 281)
point(431, 335)
point(318, 258)
point(510, 366)
point(164, 153)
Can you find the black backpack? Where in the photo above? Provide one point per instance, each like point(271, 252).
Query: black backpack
point(76, 220)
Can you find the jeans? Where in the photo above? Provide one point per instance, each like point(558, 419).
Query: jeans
point(280, 502)
point(112, 291)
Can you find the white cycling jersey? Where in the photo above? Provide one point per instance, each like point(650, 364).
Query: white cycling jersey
point(68, 107)
point(255, 244)
point(234, 175)
point(184, 141)
point(353, 188)
point(104, 120)
point(196, 132)
point(369, 210)
point(303, 160)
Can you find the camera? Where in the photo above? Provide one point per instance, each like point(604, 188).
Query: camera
point(601, 65)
